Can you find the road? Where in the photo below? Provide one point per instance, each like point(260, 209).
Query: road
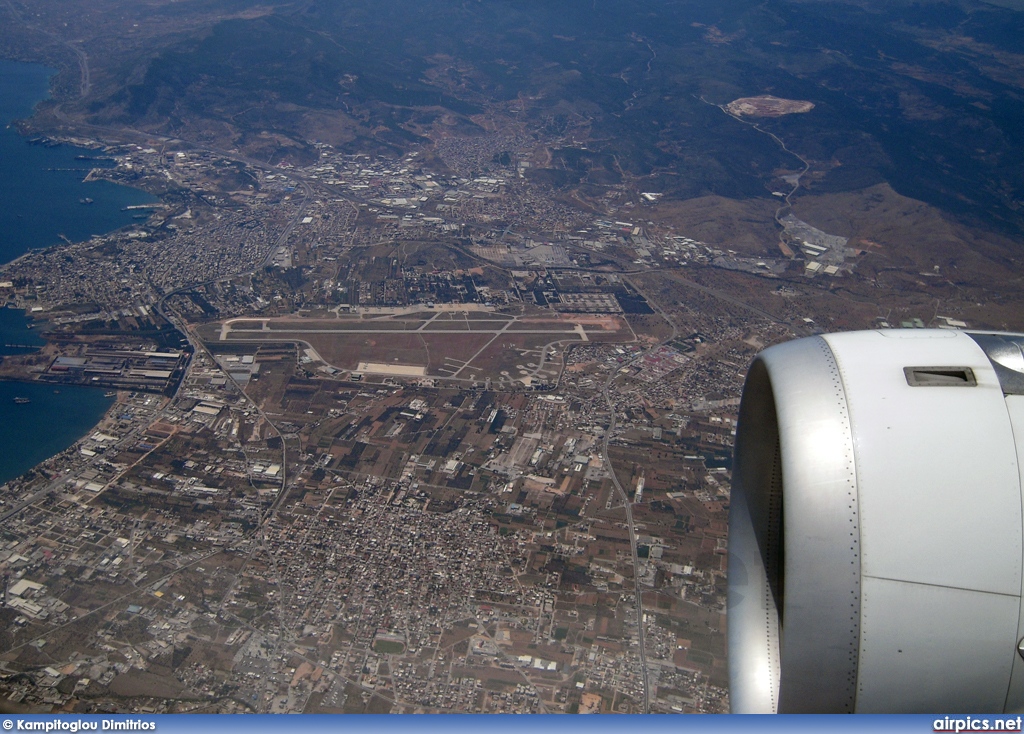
point(795, 183)
point(606, 394)
point(637, 591)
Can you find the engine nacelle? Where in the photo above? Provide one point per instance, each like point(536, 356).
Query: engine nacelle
point(876, 541)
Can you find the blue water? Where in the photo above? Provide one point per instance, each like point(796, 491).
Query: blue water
point(46, 425)
point(16, 334)
point(41, 191)
point(41, 188)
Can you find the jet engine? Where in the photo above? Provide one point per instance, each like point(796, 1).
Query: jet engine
point(875, 547)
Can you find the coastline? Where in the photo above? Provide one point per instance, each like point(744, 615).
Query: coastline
point(42, 430)
point(41, 407)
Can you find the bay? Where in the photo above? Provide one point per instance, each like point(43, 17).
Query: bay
point(51, 420)
point(16, 334)
point(42, 197)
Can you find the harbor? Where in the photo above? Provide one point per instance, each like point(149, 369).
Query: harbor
point(43, 200)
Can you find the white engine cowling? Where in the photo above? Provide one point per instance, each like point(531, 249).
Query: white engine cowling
point(875, 548)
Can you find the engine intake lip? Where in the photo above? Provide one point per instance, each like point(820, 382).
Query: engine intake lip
point(794, 591)
point(897, 583)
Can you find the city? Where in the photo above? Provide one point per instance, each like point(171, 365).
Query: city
point(472, 533)
point(426, 364)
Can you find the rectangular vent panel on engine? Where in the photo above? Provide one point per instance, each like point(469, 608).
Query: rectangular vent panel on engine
point(940, 376)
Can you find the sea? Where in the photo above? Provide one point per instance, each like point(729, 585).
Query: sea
point(42, 198)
